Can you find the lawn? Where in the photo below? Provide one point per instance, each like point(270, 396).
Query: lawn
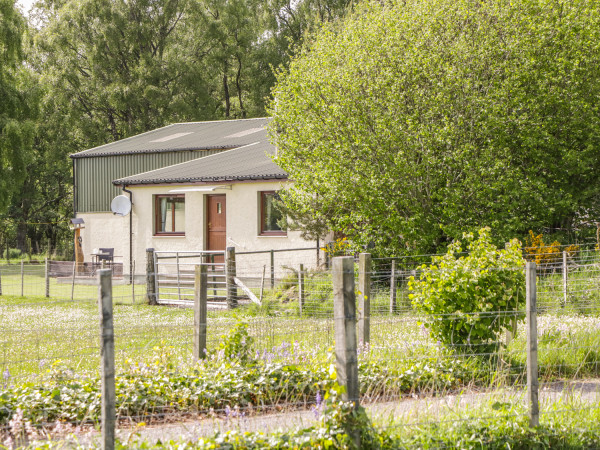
point(50, 357)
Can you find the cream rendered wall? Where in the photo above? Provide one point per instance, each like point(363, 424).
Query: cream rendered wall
point(242, 230)
point(143, 224)
point(105, 230)
point(243, 233)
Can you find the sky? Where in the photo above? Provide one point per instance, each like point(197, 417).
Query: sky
point(25, 5)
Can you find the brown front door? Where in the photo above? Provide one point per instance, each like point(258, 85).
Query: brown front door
point(215, 223)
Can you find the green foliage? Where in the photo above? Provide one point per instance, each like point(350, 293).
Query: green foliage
point(16, 128)
point(469, 300)
point(100, 70)
point(495, 426)
point(237, 345)
point(413, 121)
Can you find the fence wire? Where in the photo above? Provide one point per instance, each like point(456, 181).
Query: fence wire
point(278, 363)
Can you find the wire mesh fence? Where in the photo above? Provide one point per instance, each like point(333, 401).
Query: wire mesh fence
point(280, 359)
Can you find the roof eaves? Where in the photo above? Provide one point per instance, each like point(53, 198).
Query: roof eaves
point(199, 179)
point(121, 140)
point(221, 121)
point(162, 150)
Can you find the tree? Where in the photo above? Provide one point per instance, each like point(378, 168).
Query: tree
point(232, 32)
point(121, 67)
point(16, 130)
point(101, 70)
point(413, 121)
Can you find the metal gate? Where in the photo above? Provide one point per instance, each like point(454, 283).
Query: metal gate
point(175, 272)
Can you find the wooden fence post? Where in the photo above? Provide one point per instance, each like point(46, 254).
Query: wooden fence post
point(364, 298)
point(22, 277)
point(532, 349)
point(344, 316)
point(393, 288)
point(272, 269)
point(178, 276)
point(230, 272)
point(47, 276)
point(565, 274)
point(107, 353)
point(73, 280)
point(150, 277)
point(262, 283)
point(200, 307)
point(301, 288)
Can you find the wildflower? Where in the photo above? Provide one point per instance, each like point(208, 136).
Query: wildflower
point(315, 411)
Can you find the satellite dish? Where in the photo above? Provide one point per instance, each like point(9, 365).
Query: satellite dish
point(120, 205)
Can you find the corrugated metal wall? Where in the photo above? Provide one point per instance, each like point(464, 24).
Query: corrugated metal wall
point(93, 176)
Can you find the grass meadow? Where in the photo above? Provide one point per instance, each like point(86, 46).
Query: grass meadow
point(55, 342)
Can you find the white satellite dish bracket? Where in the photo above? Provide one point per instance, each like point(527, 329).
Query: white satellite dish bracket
point(120, 205)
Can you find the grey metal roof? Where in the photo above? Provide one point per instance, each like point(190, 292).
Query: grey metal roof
point(221, 134)
point(250, 162)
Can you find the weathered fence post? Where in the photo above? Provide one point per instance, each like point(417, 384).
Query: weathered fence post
point(178, 276)
point(344, 316)
point(73, 280)
point(230, 272)
point(262, 283)
point(22, 277)
point(47, 276)
point(150, 277)
point(300, 288)
point(532, 361)
point(364, 298)
point(565, 273)
point(393, 288)
point(200, 306)
point(272, 269)
point(107, 354)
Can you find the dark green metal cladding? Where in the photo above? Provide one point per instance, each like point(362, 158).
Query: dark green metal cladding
point(93, 176)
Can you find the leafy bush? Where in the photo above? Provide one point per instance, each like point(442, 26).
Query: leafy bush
point(14, 253)
point(237, 345)
point(470, 300)
point(547, 254)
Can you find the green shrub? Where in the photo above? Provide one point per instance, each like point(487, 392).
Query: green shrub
point(469, 300)
point(237, 345)
point(14, 253)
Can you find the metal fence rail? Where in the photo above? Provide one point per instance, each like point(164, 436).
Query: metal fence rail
point(174, 276)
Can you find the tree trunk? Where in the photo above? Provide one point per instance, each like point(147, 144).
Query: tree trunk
point(226, 90)
point(238, 85)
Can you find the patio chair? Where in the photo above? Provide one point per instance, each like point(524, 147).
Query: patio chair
point(106, 254)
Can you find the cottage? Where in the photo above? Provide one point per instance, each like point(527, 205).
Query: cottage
point(193, 187)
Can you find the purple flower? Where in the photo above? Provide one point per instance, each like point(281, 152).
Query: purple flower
point(315, 411)
point(6, 375)
point(318, 399)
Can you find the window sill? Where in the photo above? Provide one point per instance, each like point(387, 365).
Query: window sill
point(169, 236)
point(272, 235)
